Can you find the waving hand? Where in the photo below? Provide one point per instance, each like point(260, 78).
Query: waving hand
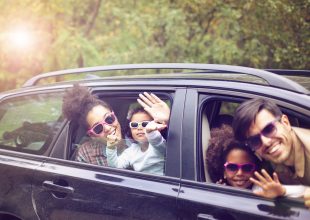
point(157, 108)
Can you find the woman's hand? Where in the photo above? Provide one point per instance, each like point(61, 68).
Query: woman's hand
point(270, 188)
point(157, 108)
point(153, 126)
point(112, 140)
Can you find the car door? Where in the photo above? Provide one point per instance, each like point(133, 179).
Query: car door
point(210, 201)
point(201, 200)
point(28, 124)
point(65, 189)
point(70, 190)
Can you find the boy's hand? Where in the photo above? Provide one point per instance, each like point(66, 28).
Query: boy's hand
point(270, 188)
point(153, 126)
point(157, 108)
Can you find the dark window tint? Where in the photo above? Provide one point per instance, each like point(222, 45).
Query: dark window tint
point(122, 105)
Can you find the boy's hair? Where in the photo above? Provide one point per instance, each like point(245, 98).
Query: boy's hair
point(130, 114)
point(246, 113)
point(77, 102)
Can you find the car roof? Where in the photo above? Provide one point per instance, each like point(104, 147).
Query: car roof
point(175, 71)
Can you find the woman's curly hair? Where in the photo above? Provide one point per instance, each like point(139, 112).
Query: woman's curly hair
point(221, 143)
point(77, 102)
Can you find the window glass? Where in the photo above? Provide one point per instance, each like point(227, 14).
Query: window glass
point(134, 151)
point(215, 147)
point(231, 163)
point(228, 107)
point(29, 123)
point(220, 112)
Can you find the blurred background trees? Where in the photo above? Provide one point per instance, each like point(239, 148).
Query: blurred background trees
point(45, 35)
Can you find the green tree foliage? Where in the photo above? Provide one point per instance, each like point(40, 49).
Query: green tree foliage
point(70, 34)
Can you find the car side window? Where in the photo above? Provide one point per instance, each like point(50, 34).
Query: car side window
point(135, 151)
point(223, 113)
point(219, 111)
point(29, 123)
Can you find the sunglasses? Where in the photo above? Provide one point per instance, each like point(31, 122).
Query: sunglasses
point(234, 167)
point(255, 141)
point(135, 124)
point(98, 128)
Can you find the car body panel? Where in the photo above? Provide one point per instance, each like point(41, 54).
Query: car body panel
point(203, 201)
point(101, 193)
point(55, 187)
point(16, 181)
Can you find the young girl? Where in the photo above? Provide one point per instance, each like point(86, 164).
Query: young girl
point(147, 152)
point(229, 161)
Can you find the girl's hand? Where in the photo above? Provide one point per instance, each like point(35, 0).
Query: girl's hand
point(270, 188)
point(221, 181)
point(157, 108)
point(153, 126)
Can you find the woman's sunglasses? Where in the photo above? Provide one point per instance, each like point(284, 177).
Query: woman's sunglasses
point(135, 124)
point(255, 141)
point(245, 167)
point(98, 128)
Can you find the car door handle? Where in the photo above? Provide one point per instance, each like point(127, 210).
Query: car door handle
point(216, 216)
point(205, 217)
point(50, 185)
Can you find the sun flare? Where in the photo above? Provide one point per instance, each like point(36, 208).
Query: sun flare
point(20, 38)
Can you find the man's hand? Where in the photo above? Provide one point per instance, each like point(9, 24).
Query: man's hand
point(307, 197)
point(270, 188)
point(157, 108)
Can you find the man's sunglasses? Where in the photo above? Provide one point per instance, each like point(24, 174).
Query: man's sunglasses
point(135, 124)
point(255, 141)
point(98, 128)
point(234, 167)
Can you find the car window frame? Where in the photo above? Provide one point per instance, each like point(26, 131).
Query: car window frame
point(122, 91)
point(47, 149)
point(240, 97)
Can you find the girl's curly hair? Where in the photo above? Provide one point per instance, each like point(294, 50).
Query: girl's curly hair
point(77, 102)
point(221, 143)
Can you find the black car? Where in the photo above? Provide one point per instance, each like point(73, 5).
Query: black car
point(41, 180)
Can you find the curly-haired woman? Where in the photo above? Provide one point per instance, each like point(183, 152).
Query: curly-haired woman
point(97, 117)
